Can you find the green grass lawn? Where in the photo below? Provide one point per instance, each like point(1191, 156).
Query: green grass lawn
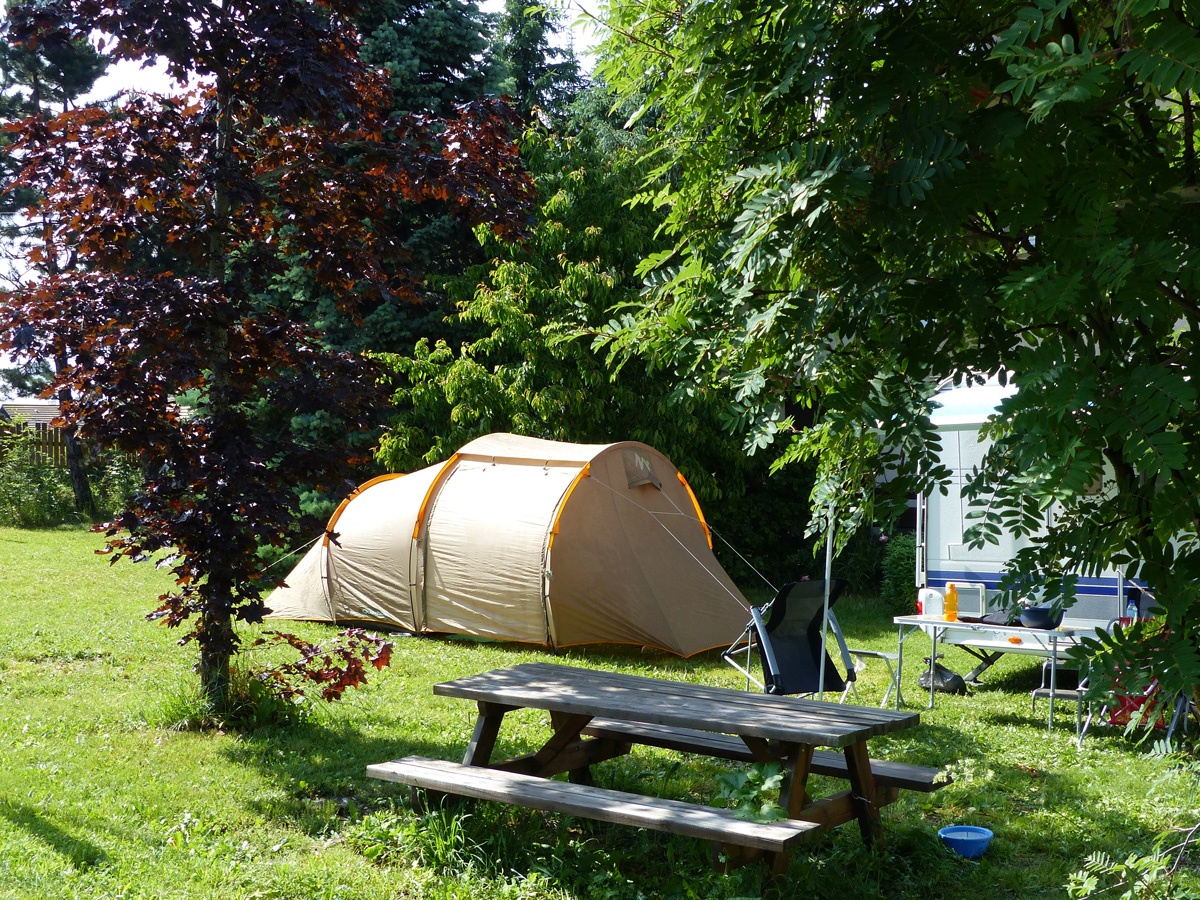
point(99, 799)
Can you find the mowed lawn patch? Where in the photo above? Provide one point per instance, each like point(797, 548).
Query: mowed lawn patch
point(99, 797)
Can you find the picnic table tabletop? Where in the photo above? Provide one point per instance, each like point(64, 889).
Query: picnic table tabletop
point(637, 698)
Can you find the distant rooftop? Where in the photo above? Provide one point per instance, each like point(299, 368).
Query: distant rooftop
point(29, 410)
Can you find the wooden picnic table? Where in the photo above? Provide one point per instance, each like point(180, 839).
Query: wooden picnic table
point(598, 715)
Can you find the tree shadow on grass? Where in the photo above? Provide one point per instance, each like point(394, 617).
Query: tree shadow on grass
point(327, 758)
point(320, 770)
point(929, 744)
point(79, 853)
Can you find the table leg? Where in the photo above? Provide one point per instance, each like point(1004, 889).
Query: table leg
point(761, 749)
point(862, 787)
point(794, 794)
point(793, 797)
point(566, 732)
point(901, 638)
point(933, 637)
point(483, 740)
point(1053, 679)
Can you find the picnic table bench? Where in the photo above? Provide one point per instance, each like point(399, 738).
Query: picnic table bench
point(599, 715)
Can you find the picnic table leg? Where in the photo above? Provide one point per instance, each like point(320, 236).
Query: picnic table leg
point(862, 787)
point(794, 795)
point(566, 731)
point(479, 750)
point(483, 740)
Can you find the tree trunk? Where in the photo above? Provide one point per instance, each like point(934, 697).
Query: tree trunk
point(216, 637)
point(85, 503)
point(215, 657)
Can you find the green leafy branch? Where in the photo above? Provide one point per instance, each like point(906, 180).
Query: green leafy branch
point(1135, 877)
point(750, 793)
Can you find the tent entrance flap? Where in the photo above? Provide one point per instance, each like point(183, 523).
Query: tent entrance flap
point(485, 541)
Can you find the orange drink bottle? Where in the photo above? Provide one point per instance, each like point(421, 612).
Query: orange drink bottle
point(950, 609)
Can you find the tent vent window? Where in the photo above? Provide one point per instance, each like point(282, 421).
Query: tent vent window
point(639, 470)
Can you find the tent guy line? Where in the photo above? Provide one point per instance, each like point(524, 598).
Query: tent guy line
point(653, 515)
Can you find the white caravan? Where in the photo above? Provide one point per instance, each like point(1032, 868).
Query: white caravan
point(943, 556)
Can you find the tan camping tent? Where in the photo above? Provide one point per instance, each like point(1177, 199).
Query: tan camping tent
point(523, 539)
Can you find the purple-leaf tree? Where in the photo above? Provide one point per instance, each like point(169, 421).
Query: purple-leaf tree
point(173, 222)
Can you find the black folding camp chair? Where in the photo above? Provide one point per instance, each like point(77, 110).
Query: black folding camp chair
point(786, 632)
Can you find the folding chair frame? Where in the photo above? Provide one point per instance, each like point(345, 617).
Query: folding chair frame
point(756, 633)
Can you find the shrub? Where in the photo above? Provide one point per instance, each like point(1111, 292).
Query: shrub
point(899, 562)
point(33, 494)
point(861, 562)
point(763, 527)
point(120, 478)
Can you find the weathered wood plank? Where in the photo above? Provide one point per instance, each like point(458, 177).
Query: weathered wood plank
point(487, 729)
point(723, 746)
point(794, 795)
point(830, 812)
point(749, 699)
point(685, 740)
point(673, 816)
point(862, 791)
point(575, 757)
point(591, 692)
point(566, 733)
point(543, 672)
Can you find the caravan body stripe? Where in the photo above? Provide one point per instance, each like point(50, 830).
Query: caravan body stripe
point(1098, 587)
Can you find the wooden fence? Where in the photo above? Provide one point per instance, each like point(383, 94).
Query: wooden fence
point(48, 446)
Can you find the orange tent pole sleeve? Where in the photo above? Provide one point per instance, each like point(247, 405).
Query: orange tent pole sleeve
point(585, 472)
point(433, 486)
point(696, 506)
point(337, 513)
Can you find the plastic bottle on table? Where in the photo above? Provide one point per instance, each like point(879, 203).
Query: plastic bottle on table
point(950, 607)
point(1131, 609)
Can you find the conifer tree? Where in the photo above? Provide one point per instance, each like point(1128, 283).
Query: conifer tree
point(38, 81)
point(436, 52)
point(538, 75)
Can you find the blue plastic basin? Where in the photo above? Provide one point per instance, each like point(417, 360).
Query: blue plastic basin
point(968, 841)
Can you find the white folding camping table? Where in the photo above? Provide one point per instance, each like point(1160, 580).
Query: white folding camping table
point(1051, 643)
